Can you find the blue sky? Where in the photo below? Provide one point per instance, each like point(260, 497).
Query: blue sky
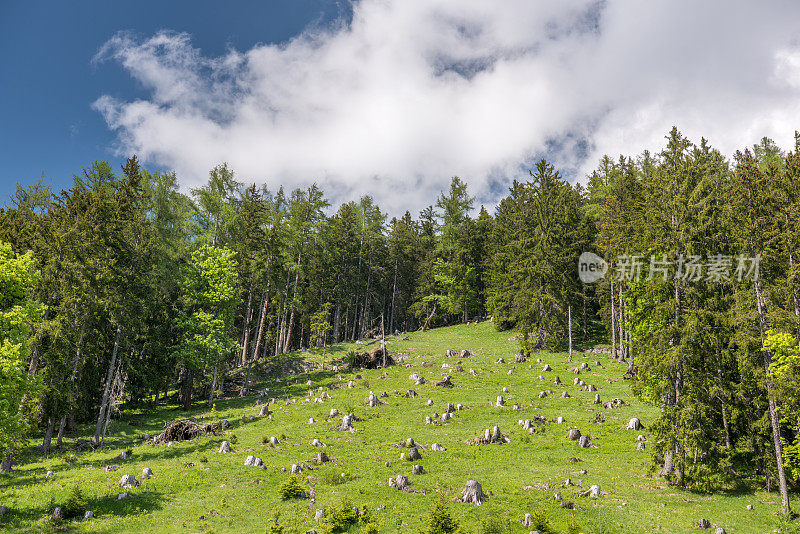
point(386, 97)
point(48, 80)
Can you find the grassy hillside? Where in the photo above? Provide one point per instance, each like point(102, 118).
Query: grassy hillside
point(197, 489)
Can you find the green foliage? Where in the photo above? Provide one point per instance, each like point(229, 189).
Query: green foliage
point(76, 504)
point(440, 521)
point(291, 489)
point(341, 518)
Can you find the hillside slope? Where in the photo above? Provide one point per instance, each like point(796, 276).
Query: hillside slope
point(197, 489)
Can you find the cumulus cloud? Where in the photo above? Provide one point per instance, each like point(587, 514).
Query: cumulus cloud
point(408, 93)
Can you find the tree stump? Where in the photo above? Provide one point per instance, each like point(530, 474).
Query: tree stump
point(634, 424)
point(445, 382)
point(400, 482)
point(574, 434)
point(416, 469)
point(410, 394)
point(322, 457)
point(413, 454)
point(557, 381)
point(473, 492)
point(265, 410)
point(346, 424)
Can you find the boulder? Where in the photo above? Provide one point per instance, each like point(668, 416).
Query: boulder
point(273, 441)
point(633, 424)
point(413, 454)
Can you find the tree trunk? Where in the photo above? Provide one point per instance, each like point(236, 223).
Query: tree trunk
point(613, 324)
point(107, 390)
point(5, 465)
point(394, 290)
point(288, 342)
point(61, 426)
point(583, 293)
point(773, 407)
point(48, 434)
point(213, 386)
point(248, 316)
point(187, 391)
point(569, 321)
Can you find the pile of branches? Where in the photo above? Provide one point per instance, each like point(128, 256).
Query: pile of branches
point(184, 429)
point(372, 359)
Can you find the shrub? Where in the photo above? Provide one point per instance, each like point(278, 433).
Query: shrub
point(264, 440)
point(342, 518)
point(291, 489)
point(75, 505)
point(233, 439)
point(203, 460)
point(371, 528)
point(440, 521)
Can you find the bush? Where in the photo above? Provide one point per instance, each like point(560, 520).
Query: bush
point(233, 439)
point(291, 489)
point(75, 505)
point(203, 460)
point(540, 522)
point(342, 518)
point(440, 521)
point(371, 528)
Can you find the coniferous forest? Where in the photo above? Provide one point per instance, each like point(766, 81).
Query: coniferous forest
point(125, 293)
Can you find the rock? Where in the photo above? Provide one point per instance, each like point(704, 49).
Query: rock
point(57, 513)
point(527, 520)
point(3, 511)
point(458, 369)
point(420, 381)
point(473, 372)
point(556, 496)
point(249, 460)
point(224, 424)
point(586, 442)
point(147, 436)
point(473, 492)
point(317, 443)
point(500, 360)
point(311, 421)
point(591, 387)
point(446, 416)
point(264, 410)
point(346, 423)
point(576, 382)
point(146, 473)
point(438, 448)
point(704, 523)
point(225, 446)
point(569, 505)
point(574, 434)
point(413, 454)
point(88, 515)
point(450, 408)
point(465, 354)
point(416, 470)
point(128, 480)
point(351, 385)
point(459, 407)
point(373, 400)
point(585, 365)
point(560, 420)
point(542, 394)
point(495, 433)
point(526, 424)
point(593, 491)
point(596, 399)
point(749, 506)
point(500, 401)
point(505, 389)
point(428, 420)
point(546, 368)
point(641, 438)
point(296, 469)
point(581, 383)
point(274, 441)
point(319, 514)
point(565, 395)
point(400, 482)
point(510, 371)
point(634, 424)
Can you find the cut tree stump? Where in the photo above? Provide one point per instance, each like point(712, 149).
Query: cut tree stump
point(473, 492)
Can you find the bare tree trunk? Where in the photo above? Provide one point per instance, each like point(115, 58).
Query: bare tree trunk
point(569, 321)
point(394, 290)
point(613, 324)
point(61, 426)
point(584, 314)
point(188, 386)
point(107, 390)
point(248, 316)
point(48, 434)
point(5, 465)
point(773, 406)
point(288, 342)
point(213, 386)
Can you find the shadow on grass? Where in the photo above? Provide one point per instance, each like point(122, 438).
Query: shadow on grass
point(137, 503)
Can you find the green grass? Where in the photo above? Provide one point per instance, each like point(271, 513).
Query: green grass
point(223, 495)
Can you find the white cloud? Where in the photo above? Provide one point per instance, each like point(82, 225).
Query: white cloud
point(412, 92)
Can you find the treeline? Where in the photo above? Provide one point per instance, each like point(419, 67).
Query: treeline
point(144, 288)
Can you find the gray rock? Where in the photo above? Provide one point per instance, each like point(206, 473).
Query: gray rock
point(334, 413)
point(249, 460)
point(49, 474)
point(317, 443)
point(225, 446)
point(527, 520)
point(546, 368)
point(123, 495)
point(437, 447)
point(634, 424)
point(274, 441)
point(128, 480)
point(594, 490)
point(258, 462)
point(640, 446)
point(146, 473)
point(264, 410)
point(500, 401)
point(560, 420)
point(719, 530)
point(542, 394)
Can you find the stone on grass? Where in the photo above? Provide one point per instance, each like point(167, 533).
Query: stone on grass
point(346, 424)
point(450, 408)
point(526, 424)
point(557, 381)
point(264, 410)
point(719, 530)
point(586, 442)
point(576, 382)
point(250, 460)
point(634, 424)
point(146, 473)
point(317, 443)
point(416, 469)
point(505, 389)
point(334, 413)
point(311, 421)
point(3, 511)
point(274, 441)
point(322, 457)
point(459, 407)
point(596, 398)
point(428, 420)
point(123, 495)
point(444, 382)
point(49, 474)
point(527, 521)
point(640, 446)
point(565, 395)
point(749, 507)
point(319, 514)
point(473, 492)
point(438, 448)
point(399, 482)
point(128, 480)
point(591, 387)
point(546, 368)
point(593, 491)
point(542, 394)
point(557, 497)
